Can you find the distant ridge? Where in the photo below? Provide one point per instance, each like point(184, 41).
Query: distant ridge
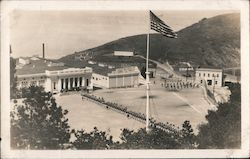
point(210, 42)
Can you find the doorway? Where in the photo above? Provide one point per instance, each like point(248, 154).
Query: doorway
point(209, 82)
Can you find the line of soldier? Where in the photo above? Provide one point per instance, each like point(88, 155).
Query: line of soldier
point(177, 85)
point(129, 113)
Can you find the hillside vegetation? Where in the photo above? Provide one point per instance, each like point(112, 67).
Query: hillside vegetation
point(213, 42)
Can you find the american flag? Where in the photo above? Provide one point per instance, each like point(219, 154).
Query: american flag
point(158, 25)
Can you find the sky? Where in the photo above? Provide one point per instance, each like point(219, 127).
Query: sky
point(66, 32)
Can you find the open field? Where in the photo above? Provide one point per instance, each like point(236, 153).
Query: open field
point(165, 106)
point(86, 115)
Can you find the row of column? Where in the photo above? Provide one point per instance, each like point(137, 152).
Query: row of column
point(68, 83)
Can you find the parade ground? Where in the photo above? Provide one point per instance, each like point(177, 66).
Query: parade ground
point(86, 115)
point(165, 106)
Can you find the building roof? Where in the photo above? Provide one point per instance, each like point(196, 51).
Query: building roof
point(125, 71)
point(101, 70)
point(183, 65)
point(209, 69)
point(39, 66)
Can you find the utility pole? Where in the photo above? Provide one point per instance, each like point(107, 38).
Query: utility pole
point(214, 83)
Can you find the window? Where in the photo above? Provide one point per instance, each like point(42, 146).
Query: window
point(216, 82)
point(41, 82)
point(87, 82)
point(204, 74)
point(33, 83)
point(201, 81)
point(199, 74)
point(208, 75)
point(93, 77)
point(24, 83)
point(54, 85)
point(217, 75)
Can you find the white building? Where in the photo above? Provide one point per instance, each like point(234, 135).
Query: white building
point(23, 60)
point(185, 66)
point(53, 76)
point(209, 76)
point(123, 53)
point(106, 77)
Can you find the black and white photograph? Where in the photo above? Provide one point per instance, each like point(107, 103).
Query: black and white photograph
point(99, 80)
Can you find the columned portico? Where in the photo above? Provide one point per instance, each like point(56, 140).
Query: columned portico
point(64, 83)
point(69, 79)
point(53, 79)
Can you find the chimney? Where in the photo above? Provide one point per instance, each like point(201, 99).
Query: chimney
point(43, 51)
point(10, 50)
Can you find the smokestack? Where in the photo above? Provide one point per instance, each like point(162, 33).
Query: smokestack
point(10, 50)
point(43, 51)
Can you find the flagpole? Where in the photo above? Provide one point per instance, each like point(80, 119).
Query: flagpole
point(147, 80)
point(159, 26)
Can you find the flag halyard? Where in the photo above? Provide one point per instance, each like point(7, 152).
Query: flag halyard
point(161, 27)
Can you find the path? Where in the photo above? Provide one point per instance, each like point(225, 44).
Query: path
point(166, 67)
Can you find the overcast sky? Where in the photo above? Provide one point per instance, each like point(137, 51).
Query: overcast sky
point(65, 32)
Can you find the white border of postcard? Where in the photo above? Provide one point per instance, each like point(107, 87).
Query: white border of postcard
point(8, 6)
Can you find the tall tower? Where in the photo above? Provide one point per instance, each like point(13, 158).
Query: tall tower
point(43, 51)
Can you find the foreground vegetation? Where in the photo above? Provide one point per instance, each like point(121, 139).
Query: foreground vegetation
point(223, 129)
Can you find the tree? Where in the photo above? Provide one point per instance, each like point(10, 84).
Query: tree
point(39, 123)
point(158, 139)
point(155, 139)
point(188, 137)
point(94, 140)
point(223, 129)
point(12, 78)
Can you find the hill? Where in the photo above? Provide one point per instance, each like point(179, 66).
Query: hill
point(213, 42)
